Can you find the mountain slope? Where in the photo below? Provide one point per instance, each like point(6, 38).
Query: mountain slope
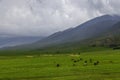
point(90, 29)
point(110, 39)
point(85, 32)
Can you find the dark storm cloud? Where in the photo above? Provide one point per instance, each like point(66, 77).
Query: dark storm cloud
point(43, 17)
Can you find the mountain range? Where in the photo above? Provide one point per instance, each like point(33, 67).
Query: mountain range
point(93, 32)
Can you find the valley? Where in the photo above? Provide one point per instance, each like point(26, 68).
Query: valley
point(90, 51)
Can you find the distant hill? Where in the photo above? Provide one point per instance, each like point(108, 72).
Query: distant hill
point(88, 33)
point(14, 41)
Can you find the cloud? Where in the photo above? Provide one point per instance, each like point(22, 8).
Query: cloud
point(44, 17)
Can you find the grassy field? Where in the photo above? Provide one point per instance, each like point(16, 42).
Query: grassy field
point(43, 67)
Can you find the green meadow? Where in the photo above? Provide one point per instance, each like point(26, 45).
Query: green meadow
point(44, 66)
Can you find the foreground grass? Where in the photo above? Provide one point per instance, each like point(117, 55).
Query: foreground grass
point(43, 67)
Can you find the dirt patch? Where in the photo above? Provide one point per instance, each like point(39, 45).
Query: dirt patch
point(29, 56)
point(74, 55)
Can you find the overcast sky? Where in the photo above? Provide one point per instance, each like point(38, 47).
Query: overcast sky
point(44, 17)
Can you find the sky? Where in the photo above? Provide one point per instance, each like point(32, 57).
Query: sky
point(44, 17)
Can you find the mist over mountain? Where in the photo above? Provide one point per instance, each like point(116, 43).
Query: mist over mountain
point(45, 17)
point(92, 29)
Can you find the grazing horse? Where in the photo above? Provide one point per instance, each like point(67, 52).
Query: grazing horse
point(85, 63)
point(58, 65)
point(96, 63)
